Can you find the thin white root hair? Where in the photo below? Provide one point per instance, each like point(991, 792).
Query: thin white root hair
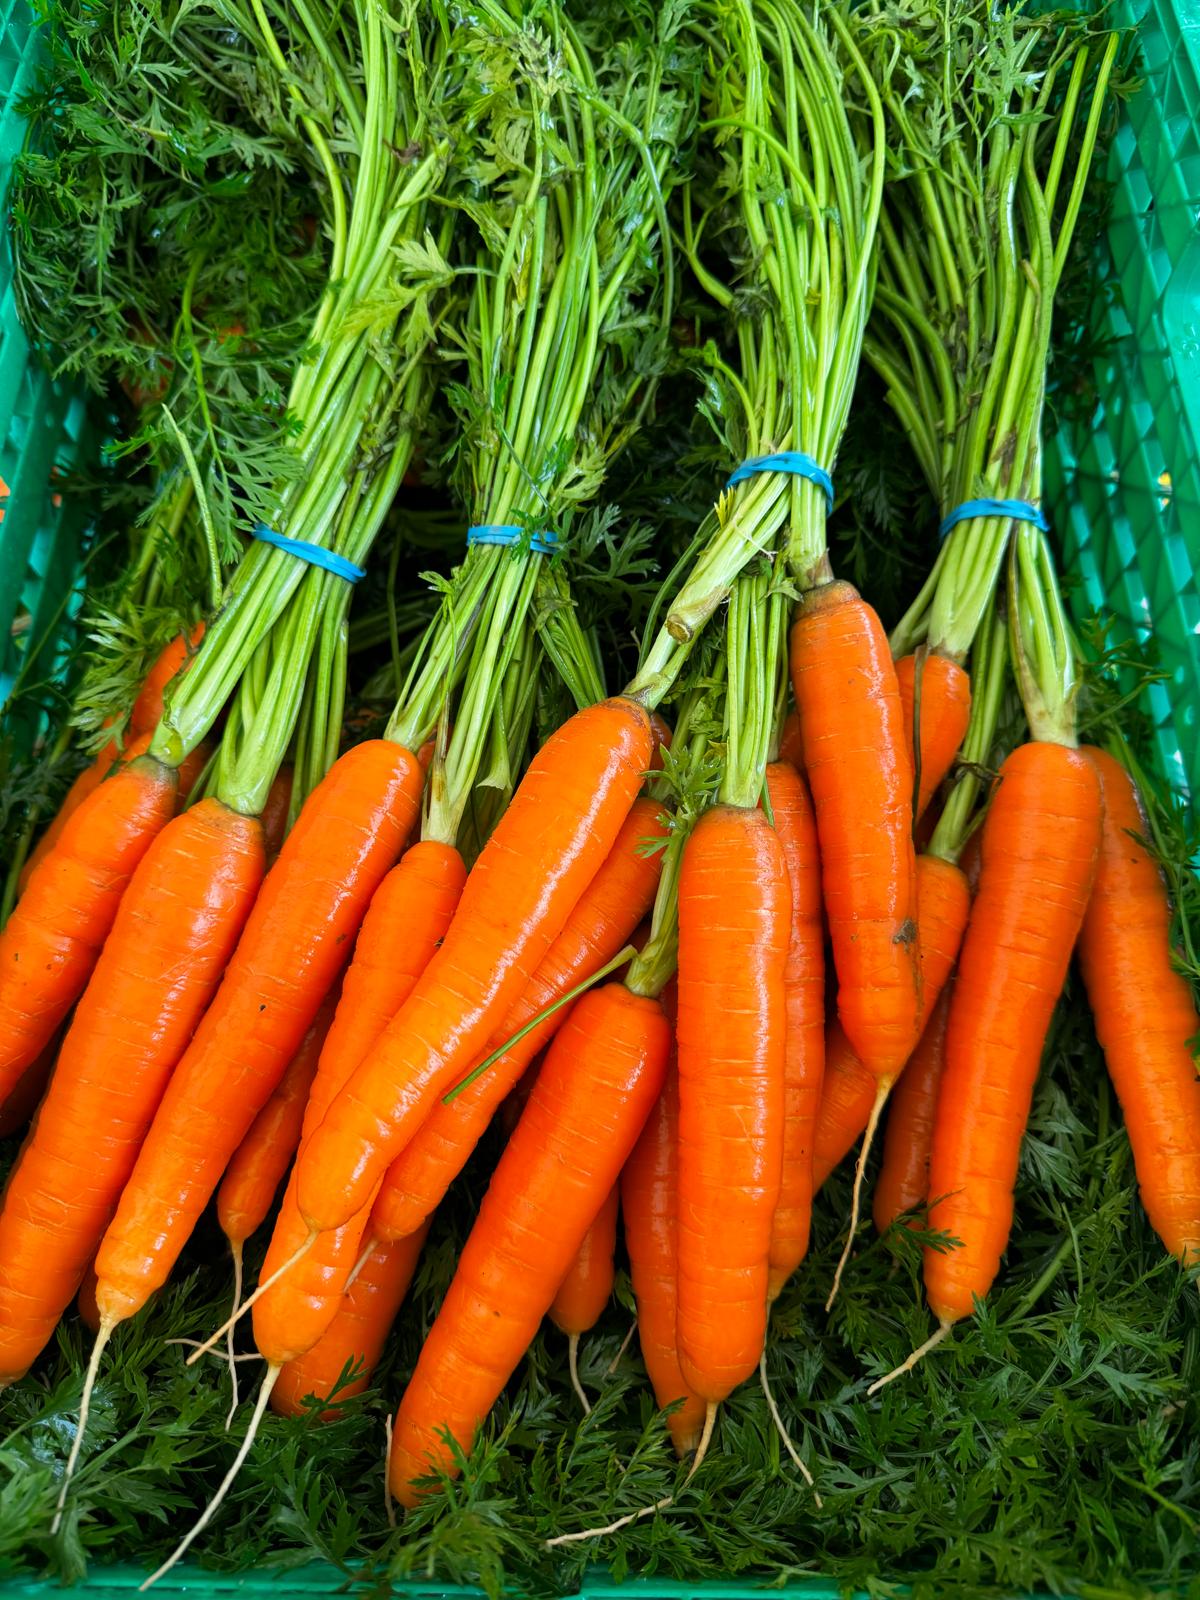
point(573, 1364)
point(251, 1300)
point(389, 1505)
point(372, 1246)
point(798, 1460)
point(910, 1361)
point(85, 1405)
point(235, 1246)
point(610, 1370)
point(860, 1167)
point(218, 1355)
point(214, 1505)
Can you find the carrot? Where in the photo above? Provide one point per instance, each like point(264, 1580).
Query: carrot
point(649, 1202)
point(143, 719)
point(356, 1336)
point(182, 913)
point(264, 1155)
point(903, 1182)
point(791, 741)
point(861, 782)
point(581, 1297)
point(89, 1311)
point(599, 1081)
point(945, 710)
point(53, 938)
point(25, 1094)
point(1145, 1015)
point(1040, 843)
point(804, 1002)
point(560, 824)
point(404, 924)
point(295, 942)
point(606, 915)
point(275, 812)
point(734, 915)
point(190, 769)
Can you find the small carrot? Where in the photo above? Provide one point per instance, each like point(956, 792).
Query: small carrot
point(111, 1073)
point(85, 1301)
point(607, 914)
point(357, 1335)
point(650, 1203)
point(581, 1297)
point(860, 778)
point(791, 741)
point(804, 1001)
point(190, 769)
point(275, 812)
point(1040, 843)
point(903, 1182)
point(1146, 1018)
point(560, 824)
point(595, 1090)
point(54, 937)
point(174, 660)
point(944, 710)
point(734, 924)
point(25, 1094)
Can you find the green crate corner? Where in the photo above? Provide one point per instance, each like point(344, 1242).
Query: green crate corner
point(44, 435)
point(1124, 495)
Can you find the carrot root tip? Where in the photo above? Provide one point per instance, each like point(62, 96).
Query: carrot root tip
point(85, 1406)
point(798, 1460)
point(910, 1362)
point(573, 1364)
point(251, 1300)
point(860, 1167)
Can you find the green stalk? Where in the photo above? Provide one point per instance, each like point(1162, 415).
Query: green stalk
point(989, 677)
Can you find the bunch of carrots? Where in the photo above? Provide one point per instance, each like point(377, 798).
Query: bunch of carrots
point(789, 878)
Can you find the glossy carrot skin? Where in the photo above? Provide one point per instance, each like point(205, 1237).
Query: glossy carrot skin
point(606, 916)
point(148, 707)
point(903, 1181)
point(860, 778)
point(945, 712)
point(650, 1204)
point(849, 1090)
point(804, 1002)
point(181, 916)
point(405, 922)
point(1145, 1015)
point(559, 826)
point(596, 1088)
point(734, 924)
point(581, 1297)
point(275, 812)
point(259, 1163)
point(54, 937)
point(357, 1334)
point(296, 941)
point(1040, 844)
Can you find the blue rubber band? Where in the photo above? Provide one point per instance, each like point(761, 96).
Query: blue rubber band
point(327, 560)
point(545, 541)
point(1014, 510)
point(793, 461)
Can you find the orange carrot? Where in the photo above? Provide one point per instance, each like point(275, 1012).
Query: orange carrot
point(182, 914)
point(1040, 843)
point(945, 711)
point(649, 1201)
point(357, 1334)
point(599, 1081)
point(861, 782)
point(23, 1099)
point(275, 812)
point(294, 945)
point(89, 1311)
point(405, 922)
point(903, 1182)
point(734, 916)
point(1145, 1016)
point(605, 917)
point(148, 707)
point(791, 741)
point(190, 769)
point(581, 1297)
point(560, 824)
point(804, 1000)
point(264, 1155)
point(54, 937)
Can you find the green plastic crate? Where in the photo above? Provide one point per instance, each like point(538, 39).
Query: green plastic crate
point(1124, 495)
point(44, 436)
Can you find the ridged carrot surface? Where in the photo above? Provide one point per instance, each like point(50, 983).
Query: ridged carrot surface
point(1039, 849)
point(559, 826)
point(174, 933)
point(1145, 1015)
point(804, 1000)
point(596, 1088)
point(607, 914)
point(298, 937)
point(53, 939)
point(405, 922)
point(734, 922)
point(945, 712)
point(860, 778)
point(903, 1181)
